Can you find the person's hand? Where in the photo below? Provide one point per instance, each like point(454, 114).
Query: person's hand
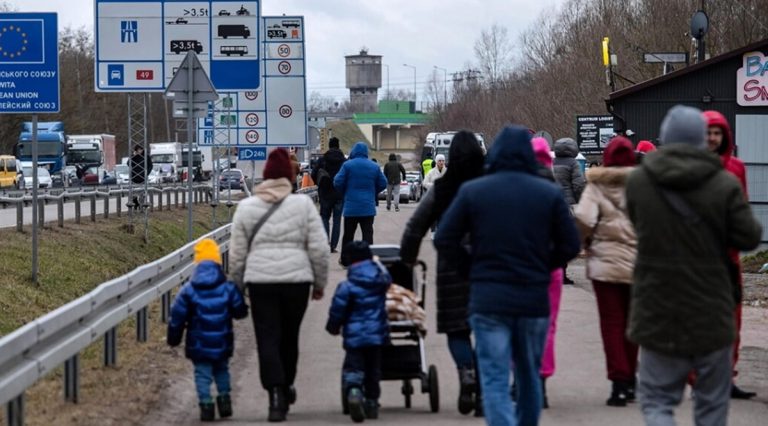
point(317, 293)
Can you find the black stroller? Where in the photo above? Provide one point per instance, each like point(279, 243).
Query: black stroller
point(405, 359)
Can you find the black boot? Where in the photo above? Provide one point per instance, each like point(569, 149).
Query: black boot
point(631, 391)
point(207, 412)
point(479, 411)
point(467, 389)
point(356, 403)
point(738, 393)
point(544, 392)
point(618, 395)
point(277, 405)
point(224, 403)
point(290, 397)
point(371, 409)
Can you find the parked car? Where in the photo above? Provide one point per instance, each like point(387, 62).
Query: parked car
point(123, 174)
point(91, 176)
point(232, 179)
point(10, 172)
point(416, 190)
point(405, 192)
point(43, 177)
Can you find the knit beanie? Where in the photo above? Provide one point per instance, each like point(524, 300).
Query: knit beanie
point(684, 125)
point(619, 153)
point(645, 147)
point(542, 152)
point(440, 157)
point(356, 251)
point(333, 143)
point(207, 250)
point(278, 165)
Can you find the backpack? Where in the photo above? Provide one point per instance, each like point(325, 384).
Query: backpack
point(324, 181)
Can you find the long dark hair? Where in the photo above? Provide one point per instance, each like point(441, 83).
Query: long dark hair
point(466, 163)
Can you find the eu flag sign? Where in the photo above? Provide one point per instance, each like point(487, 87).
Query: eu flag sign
point(29, 63)
point(21, 41)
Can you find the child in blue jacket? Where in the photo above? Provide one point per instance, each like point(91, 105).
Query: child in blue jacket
point(359, 307)
point(205, 307)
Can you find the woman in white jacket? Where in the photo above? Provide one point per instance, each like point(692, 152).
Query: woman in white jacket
point(436, 173)
point(279, 264)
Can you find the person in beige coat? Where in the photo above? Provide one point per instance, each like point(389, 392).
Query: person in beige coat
point(611, 245)
point(280, 265)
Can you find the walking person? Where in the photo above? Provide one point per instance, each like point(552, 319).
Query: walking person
point(427, 165)
point(452, 281)
point(611, 245)
point(331, 201)
point(205, 307)
point(436, 173)
point(568, 175)
point(720, 141)
point(279, 252)
point(395, 173)
point(687, 212)
point(544, 159)
point(510, 270)
point(359, 308)
point(360, 181)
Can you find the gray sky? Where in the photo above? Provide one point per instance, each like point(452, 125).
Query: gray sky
point(424, 33)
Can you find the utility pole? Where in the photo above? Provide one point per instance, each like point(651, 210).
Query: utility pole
point(445, 85)
point(415, 96)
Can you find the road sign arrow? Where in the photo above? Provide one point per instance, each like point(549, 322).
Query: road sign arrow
point(179, 88)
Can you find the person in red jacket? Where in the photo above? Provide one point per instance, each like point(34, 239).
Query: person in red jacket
point(720, 140)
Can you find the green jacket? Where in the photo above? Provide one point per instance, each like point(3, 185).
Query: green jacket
point(682, 300)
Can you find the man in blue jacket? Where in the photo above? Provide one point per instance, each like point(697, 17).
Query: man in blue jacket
point(520, 229)
point(361, 181)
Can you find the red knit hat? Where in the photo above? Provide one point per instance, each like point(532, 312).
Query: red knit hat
point(278, 165)
point(619, 153)
point(646, 147)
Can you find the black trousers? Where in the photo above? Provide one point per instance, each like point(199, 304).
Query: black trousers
point(350, 227)
point(277, 311)
point(362, 370)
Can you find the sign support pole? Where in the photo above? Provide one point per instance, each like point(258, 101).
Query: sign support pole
point(190, 139)
point(35, 213)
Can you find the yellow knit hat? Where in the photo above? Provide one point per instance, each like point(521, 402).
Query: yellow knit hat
point(207, 249)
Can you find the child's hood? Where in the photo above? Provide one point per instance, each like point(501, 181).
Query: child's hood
point(207, 274)
point(370, 274)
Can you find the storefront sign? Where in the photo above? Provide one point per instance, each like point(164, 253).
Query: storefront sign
point(752, 80)
point(593, 132)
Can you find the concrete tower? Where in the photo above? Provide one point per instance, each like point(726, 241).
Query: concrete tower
point(364, 81)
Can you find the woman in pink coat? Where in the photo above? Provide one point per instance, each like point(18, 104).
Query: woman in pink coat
point(544, 158)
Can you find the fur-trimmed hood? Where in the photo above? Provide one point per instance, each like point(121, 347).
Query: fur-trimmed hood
point(610, 176)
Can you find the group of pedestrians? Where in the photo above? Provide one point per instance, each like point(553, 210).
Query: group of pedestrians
point(661, 230)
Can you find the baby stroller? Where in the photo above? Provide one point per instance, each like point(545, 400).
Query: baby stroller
point(404, 359)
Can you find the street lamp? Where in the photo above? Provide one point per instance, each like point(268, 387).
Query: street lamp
point(388, 92)
point(415, 96)
point(445, 84)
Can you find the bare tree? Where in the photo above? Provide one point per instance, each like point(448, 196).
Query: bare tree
point(318, 102)
point(493, 51)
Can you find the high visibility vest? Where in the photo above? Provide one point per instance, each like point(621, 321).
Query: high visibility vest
point(427, 166)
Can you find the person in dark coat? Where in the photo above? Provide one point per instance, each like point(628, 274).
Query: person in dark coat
point(517, 237)
point(141, 165)
point(395, 173)
point(452, 284)
point(360, 181)
point(687, 211)
point(359, 308)
point(331, 201)
point(568, 175)
point(205, 307)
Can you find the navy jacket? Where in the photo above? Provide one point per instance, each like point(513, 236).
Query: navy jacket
point(205, 306)
point(520, 229)
point(360, 306)
point(360, 180)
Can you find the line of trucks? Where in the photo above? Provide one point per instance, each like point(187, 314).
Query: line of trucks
point(92, 159)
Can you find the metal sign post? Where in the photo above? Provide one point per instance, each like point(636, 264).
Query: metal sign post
point(35, 212)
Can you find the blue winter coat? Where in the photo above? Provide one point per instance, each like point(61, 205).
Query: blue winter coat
point(360, 306)
point(361, 181)
point(520, 229)
point(205, 306)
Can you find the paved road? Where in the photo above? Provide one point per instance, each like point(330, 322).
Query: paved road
point(577, 392)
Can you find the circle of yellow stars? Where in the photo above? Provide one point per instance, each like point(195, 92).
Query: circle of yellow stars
point(11, 30)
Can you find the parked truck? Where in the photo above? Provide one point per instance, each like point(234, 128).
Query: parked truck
point(51, 148)
point(166, 162)
point(94, 154)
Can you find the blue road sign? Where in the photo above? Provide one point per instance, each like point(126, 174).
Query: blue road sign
point(29, 63)
point(116, 74)
point(252, 154)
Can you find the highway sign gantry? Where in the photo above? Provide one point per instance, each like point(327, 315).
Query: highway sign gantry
point(29, 63)
point(140, 43)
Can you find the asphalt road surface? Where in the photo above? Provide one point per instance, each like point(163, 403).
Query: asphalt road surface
point(577, 392)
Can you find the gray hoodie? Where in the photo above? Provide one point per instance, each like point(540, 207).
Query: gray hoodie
point(567, 170)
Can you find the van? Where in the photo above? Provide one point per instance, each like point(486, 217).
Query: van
point(10, 172)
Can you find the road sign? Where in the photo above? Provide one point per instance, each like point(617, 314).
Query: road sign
point(252, 154)
point(593, 133)
point(146, 41)
point(276, 115)
point(29, 63)
point(666, 57)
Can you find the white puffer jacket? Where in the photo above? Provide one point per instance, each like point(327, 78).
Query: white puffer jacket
point(290, 248)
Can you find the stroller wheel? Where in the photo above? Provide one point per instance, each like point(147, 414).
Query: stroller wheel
point(407, 392)
point(434, 390)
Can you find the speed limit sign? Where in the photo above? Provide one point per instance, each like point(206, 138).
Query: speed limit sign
point(252, 136)
point(251, 96)
point(286, 111)
point(284, 67)
point(284, 50)
point(252, 119)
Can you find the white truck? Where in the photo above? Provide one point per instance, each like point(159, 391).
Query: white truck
point(440, 143)
point(94, 154)
point(202, 156)
point(166, 162)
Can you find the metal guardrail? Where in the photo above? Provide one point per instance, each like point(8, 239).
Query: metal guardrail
point(36, 349)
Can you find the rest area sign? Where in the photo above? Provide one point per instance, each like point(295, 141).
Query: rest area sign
point(752, 80)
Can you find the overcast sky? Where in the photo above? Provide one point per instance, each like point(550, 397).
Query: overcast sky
point(424, 33)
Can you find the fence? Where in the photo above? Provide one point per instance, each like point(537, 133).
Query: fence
point(36, 349)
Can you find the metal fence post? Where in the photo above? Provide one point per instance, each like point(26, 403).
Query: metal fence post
point(184, 200)
point(165, 304)
point(20, 217)
point(119, 206)
point(168, 200)
point(151, 197)
point(110, 348)
point(93, 208)
point(78, 208)
point(160, 201)
point(141, 325)
point(72, 379)
point(106, 207)
point(176, 197)
point(14, 414)
point(41, 209)
point(60, 205)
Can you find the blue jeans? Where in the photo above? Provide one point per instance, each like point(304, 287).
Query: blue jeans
point(206, 373)
point(460, 346)
point(502, 341)
point(333, 208)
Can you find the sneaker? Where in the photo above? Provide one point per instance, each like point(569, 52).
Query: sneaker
point(371, 409)
point(207, 412)
point(397, 209)
point(467, 387)
point(389, 208)
point(356, 403)
point(224, 403)
point(618, 395)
